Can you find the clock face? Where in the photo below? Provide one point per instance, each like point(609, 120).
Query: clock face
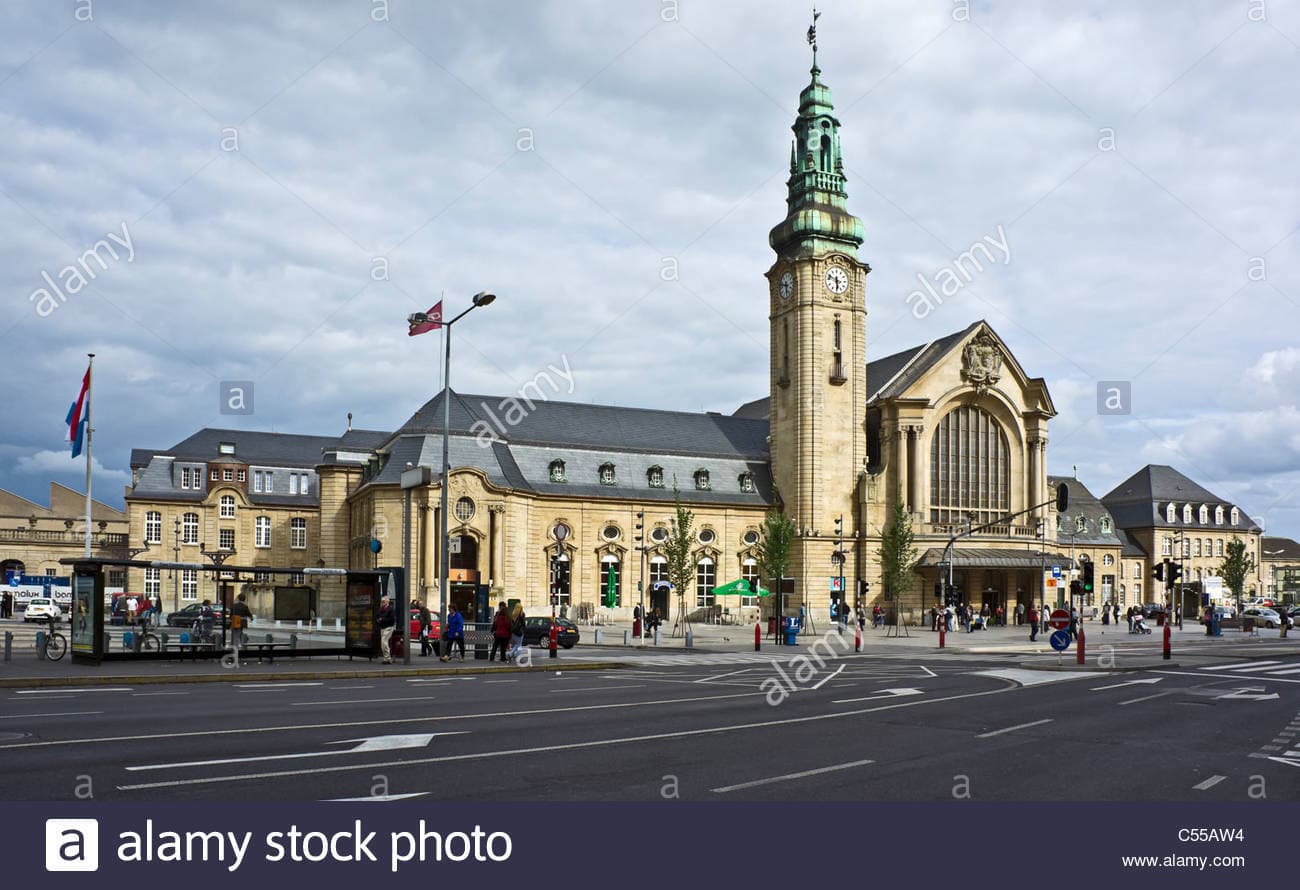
point(787, 285)
point(837, 280)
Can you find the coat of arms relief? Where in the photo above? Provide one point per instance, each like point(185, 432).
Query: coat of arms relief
point(981, 363)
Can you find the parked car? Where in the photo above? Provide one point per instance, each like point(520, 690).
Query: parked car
point(435, 625)
point(1151, 610)
point(187, 616)
point(1295, 615)
point(537, 632)
point(40, 608)
point(1266, 617)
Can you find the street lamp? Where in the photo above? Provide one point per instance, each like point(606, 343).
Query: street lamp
point(176, 555)
point(561, 531)
point(482, 298)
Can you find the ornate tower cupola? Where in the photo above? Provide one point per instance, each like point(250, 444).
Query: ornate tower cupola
point(817, 217)
point(818, 316)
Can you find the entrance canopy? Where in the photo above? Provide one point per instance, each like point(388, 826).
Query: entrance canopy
point(994, 558)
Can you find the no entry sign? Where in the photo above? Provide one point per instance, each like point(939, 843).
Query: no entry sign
point(1060, 619)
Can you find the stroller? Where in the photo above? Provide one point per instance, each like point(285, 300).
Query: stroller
point(1140, 625)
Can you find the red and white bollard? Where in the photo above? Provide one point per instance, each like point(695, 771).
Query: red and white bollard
point(555, 652)
point(943, 630)
point(758, 637)
point(857, 638)
point(1168, 653)
point(1078, 655)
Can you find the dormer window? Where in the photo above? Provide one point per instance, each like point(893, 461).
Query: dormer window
point(1106, 526)
point(701, 480)
point(1187, 513)
point(1236, 516)
point(1218, 516)
point(1060, 523)
point(655, 477)
point(557, 471)
point(226, 448)
point(1205, 515)
point(606, 474)
point(1170, 514)
point(747, 482)
point(1080, 524)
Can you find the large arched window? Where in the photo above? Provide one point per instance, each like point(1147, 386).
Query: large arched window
point(970, 469)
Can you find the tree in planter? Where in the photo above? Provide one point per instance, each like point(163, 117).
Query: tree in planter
point(897, 555)
point(774, 552)
point(677, 550)
point(1236, 566)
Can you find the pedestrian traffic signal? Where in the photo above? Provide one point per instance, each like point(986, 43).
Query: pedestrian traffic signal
point(1087, 576)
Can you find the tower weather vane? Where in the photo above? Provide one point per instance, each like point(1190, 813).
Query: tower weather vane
point(812, 35)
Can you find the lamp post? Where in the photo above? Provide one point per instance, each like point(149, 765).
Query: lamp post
point(176, 557)
point(561, 531)
point(639, 540)
point(482, 298)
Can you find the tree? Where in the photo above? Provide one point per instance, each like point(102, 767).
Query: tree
point(897, 554)
point(677, 550)
point(774, 552)
point(1236, 566)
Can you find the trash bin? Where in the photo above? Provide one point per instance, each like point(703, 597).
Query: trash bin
point(397, 646)
point(1215, 629)
point(1160, 619)
point(481, 650)
point(791, 631)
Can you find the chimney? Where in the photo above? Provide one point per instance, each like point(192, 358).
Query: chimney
point(349, 421)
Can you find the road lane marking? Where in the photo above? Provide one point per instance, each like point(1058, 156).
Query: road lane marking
point(1237, 665)
point(55, 714)
point(1224, 676)
point(720, 676)
point(889, 693)
point(789, 776)
point(358, 701)
point(1027, 677)
point(378, 743)
point(820, 683)
point(378, 797)
point(1259, 667)
point(1208, 783)
point(987, 735)
point(1129, 683)
point(273, 685)
point(61, 691)
point(569, 746)
point(1294, 670)
point(395, 720)
point(142, 694)
point(1133, 701)
point(599, 688)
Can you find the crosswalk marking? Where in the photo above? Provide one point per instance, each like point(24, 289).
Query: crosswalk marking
point(1268, 668)
point(1236, 666)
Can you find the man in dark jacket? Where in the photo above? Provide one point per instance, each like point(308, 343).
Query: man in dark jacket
point(387, 621)
point(501, 626)
point(426, 628)
point(240, 616)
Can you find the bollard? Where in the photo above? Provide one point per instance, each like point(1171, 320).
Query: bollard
point(656, 636)
point(758, 637)
point(136, 641)
point(338, 623)
point(555, 646)
point(627, 638)
point(690, 639)
point(163, 637)
point(857, 639)
point(1167, 647)
point(318, 623)
point(40, 645)
point(9, 645)
point(1078, 655)
point(299, 624)
point(597, 633)
point(269, 639)
point(108, 640)
point(943, 631)
point(293, 642)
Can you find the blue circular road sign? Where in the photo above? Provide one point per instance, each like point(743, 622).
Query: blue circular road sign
point(1060, 640)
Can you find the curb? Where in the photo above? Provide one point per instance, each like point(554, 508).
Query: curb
point(1089, 669)
point(229, 676)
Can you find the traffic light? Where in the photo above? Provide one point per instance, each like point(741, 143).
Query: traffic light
point(1087, 576)
point(839, 527)
point(1175, 572)
point(1160, 572)
point(938, 590)
point(1076, 589)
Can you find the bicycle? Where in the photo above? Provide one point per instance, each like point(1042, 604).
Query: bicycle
point(56, 644)
point(149, 641)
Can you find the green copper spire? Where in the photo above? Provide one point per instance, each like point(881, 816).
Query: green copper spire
point(817, 217)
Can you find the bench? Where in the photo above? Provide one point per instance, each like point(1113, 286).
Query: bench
point(264, 650)
point(193, 648)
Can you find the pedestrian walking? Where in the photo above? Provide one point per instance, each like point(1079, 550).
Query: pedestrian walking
point(934, 618)
point(240, 616)
point(501, 627)
point(1032, 618)
point(426, 627)
point(1074, 623)
point(455, 633)
point(387, 623)
point(1130, 619)
point(516, 633)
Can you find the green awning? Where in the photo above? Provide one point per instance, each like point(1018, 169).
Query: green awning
point(739, 587)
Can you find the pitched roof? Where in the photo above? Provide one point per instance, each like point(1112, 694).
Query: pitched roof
point(1139, 501)
point(251, 447)
point(518, 421)
point(1083, 503)
point(1279, 549)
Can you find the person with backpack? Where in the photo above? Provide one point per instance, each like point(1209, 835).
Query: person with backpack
point(240, 616)
point(1032, 617)
point(501, 628)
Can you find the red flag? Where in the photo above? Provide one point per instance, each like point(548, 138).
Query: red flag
point(434, 322)
point(76, 414)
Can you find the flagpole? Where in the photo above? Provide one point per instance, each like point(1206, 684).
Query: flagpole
point(90, 388)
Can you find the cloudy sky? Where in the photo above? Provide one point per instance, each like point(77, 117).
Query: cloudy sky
point(296, 178)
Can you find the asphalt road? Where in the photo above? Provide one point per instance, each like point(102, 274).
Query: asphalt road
point(864, 728)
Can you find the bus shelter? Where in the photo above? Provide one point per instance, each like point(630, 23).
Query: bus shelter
point(356, 634)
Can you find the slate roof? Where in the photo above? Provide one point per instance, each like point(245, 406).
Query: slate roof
point(1280, 549)
point(251, 447)
point(1131, 547)
point(1084, 503)
point(995, 558)
point(1139, 501)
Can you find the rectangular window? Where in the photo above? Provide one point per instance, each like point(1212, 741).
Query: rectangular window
point(257, 480)
point(152, 582)
point(241, 476)
point(302, 484)
point(214, 476)
point(227, 506)
point(50, 573)
point(189, 584)
point(705, 580)
point(268, 486)
point(227, 475)
point(152, 527)
point(262, 531)
point(293, 483)
point(116, 578)
point(185, 477)
point(298, 534)
point(749, 571)
point(1198, 546)
point(1218, 547)
point(605, 569)
point(261, 577)
point(297, 579)
point(226, 539)
point(190, 529)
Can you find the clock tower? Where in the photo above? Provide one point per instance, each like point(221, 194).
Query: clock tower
point(817, 292)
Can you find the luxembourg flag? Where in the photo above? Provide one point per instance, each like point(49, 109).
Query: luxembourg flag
point(77, 417)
